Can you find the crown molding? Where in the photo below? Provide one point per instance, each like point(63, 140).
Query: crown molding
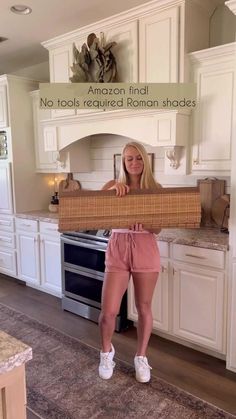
point(210, 54)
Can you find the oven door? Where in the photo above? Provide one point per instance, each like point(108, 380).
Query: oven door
point(82, 286)
point(84, 254)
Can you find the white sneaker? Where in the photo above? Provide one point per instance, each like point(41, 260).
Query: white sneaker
point(107, 364)
point(142, 369)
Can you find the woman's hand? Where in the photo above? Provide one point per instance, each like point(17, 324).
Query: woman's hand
point(136, 227)
point(121, 189)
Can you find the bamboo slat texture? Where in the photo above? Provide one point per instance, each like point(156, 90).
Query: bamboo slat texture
point(162, 208)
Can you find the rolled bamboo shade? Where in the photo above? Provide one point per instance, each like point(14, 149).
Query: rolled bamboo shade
point(162, 208)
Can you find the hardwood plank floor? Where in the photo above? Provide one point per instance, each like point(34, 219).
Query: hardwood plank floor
point(199, 374)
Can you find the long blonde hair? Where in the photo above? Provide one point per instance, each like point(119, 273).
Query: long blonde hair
point(147, 180)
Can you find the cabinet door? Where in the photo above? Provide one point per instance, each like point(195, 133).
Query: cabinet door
point(213, 116)
point(45, 160)
point(8, 261)
point(159, 47)
point(28, 257)
point(198, 305)
point(3, 107)
point(5, 188)
point(50, 254)
point(126, 50)
point(60, 61)
point(159, 302)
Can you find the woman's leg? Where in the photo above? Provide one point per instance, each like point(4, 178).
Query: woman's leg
point(144, 285)
point(114, 287)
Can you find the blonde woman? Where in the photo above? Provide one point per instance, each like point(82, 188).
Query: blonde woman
point(130, 251)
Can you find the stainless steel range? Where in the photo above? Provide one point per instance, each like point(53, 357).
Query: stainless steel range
point(83, 257)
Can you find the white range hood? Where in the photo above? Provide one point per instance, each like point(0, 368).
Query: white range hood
point(156, 128)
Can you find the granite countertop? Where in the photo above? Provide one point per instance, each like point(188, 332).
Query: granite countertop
point(13, 353)
point(39, 215)
point(209, 238)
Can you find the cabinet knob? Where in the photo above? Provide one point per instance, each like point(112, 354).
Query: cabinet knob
point(195, 161)
point(163, 269)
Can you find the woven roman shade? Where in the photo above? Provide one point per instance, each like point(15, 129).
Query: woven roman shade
point(162, 208)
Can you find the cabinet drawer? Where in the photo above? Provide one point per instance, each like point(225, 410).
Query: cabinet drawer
point(199, 256)
point(7, 240)
point(8, 262)
point(26, 224)
point(6, 224)
point(48, 228)
point(164, 249)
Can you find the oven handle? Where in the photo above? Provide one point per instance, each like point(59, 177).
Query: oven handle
point(82, 244)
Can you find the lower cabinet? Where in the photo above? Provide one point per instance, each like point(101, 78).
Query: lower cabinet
point(7, 246)
point(198, 305)
point(189, 301)
point(50, 258)
point(38, 253)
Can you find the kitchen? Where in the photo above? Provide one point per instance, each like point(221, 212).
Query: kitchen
point(186, 147)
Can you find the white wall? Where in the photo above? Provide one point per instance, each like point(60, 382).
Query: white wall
point(222, 26)
point(36, 72)
point(104, 146)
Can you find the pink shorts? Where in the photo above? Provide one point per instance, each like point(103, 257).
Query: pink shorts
point(132, 252)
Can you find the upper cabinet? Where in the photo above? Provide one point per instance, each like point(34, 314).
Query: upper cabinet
point(3, 106)
point(45, 160)
point(159, 46)
point(214, 72)
point(151, 42)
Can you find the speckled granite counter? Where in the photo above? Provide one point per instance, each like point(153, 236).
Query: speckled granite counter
point(13, 353)
point(39, 215)
point(209, 238)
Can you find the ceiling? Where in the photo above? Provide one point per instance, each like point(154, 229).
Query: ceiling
point(48, 19)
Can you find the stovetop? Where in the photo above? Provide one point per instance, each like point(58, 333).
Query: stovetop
point(89, 234)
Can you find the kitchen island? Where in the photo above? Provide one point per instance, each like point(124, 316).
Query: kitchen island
point(13, 356)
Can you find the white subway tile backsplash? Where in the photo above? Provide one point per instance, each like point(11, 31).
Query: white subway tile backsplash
point(102, 149)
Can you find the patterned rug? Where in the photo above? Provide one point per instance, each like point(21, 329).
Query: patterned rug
point(63, 383)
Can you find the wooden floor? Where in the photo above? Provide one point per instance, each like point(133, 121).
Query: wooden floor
point(198, 373)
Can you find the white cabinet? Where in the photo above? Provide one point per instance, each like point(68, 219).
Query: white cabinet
point(3, 106)
point(45, 160)
point(6, 206)
point(198, 305)
point(199, 295)
point(7, 246)
point(189, 301)
point(214, 72)
point(160, 305)
point(60, 61)
point(159, 46)
point(50, 257)
point(28, 250)
point(39, 255)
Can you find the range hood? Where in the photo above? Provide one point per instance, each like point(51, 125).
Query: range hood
point(156, 128)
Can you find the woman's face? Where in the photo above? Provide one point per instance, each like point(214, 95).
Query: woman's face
point(133, 161)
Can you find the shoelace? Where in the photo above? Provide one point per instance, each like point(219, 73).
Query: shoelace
point(143, 364)
point(106, 362)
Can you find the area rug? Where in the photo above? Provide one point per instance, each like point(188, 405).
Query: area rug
point(63, 383)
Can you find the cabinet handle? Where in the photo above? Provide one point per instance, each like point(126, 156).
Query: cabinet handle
point(163, 269)
point(26, 225)
point(194, 256)
point(195, 161)
point(174, 271)
point(35, 239)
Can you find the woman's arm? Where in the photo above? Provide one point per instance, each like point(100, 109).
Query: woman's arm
point(108, 185)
